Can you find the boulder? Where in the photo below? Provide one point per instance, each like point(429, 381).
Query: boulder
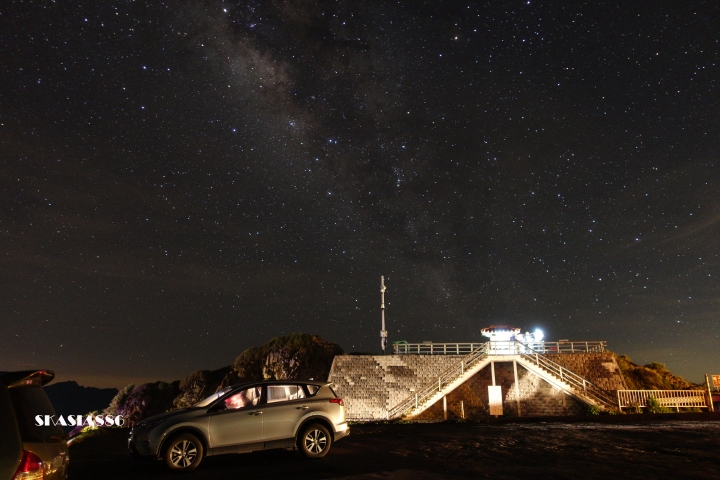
point(653, 376)
point(147, 400)
point(199, 385)
point(295, 356)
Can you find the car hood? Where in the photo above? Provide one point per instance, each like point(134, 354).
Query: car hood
point(165, 416)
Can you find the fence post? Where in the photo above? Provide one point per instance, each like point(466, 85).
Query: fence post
point(462, 368)
point(711, 406)
point(416, 401)
point(439, 385)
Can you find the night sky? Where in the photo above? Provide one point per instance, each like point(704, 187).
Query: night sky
point(183, 180)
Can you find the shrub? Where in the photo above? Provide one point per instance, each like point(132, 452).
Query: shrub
point(654, 406)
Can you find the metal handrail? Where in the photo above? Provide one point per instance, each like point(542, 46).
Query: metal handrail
point(445, 378)
point(436, 348)
point(571, 378)
point(514, 347)
point(594, 346)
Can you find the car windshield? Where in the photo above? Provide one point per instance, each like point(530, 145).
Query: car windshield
point(213, 397)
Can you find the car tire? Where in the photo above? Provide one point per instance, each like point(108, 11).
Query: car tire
point(314, 441)
point(183, 453)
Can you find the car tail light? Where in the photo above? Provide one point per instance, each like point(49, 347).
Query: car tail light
point(337, 400)
point(30, 468)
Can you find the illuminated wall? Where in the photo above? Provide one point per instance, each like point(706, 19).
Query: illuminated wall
point(370, 385)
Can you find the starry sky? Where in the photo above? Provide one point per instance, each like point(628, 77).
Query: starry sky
point(183, 180)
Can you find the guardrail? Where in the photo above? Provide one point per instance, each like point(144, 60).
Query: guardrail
point(466, 348)
point(665, 398)
point(445, 378)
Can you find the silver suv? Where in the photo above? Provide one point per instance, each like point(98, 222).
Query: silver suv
point(243, 418)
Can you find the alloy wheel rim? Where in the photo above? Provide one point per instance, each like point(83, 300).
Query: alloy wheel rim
point(315, 441)
point(183, 454)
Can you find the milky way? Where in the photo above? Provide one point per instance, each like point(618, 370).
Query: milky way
point(184, 180)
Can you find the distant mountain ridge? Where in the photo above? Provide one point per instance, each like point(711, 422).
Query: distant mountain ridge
point(69, 398)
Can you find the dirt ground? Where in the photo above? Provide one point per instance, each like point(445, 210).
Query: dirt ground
point(628, 446)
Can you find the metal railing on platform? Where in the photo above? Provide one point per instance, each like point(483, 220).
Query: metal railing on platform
point(429, 348)
point(445, 378)
point(436, 348)
point(665, 398)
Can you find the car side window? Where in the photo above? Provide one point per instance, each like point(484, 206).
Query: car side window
point(243, 398)
point(284, 393)
point(312, 389)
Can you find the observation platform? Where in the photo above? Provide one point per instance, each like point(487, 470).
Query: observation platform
point(472, 380)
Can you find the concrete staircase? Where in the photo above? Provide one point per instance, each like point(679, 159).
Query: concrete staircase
point(567, 380)
point(448, 381)
point(553, 373)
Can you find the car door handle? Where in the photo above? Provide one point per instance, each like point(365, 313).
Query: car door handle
point(304, 407)
point(254, 413)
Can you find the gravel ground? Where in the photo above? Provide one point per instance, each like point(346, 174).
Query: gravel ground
point(631, 446)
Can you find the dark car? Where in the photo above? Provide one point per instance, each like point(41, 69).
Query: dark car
point(298, 414)
point(29, 451)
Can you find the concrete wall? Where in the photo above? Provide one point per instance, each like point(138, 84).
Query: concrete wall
point(600, 368)
point(370, 385)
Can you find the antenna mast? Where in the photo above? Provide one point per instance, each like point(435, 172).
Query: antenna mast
point(383, 332)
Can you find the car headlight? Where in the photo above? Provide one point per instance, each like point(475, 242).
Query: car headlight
point(150, 424)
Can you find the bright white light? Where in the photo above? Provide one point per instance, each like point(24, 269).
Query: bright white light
point(539, 335)
point(502, 336)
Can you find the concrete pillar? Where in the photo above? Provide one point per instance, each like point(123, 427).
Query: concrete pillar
point(517, 389)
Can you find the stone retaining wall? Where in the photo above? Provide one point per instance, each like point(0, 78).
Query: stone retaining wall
point(600, 368)
point(372, 384)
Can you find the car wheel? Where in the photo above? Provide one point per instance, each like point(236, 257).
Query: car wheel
point(183, 453)
point(314, 441)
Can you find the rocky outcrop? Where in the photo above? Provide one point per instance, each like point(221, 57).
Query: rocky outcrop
point(146, 400)
point(298, 355)
point(653, 376)
point(199, 385)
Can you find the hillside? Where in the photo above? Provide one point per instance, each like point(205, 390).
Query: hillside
point(297, 356)
point(653, 376)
